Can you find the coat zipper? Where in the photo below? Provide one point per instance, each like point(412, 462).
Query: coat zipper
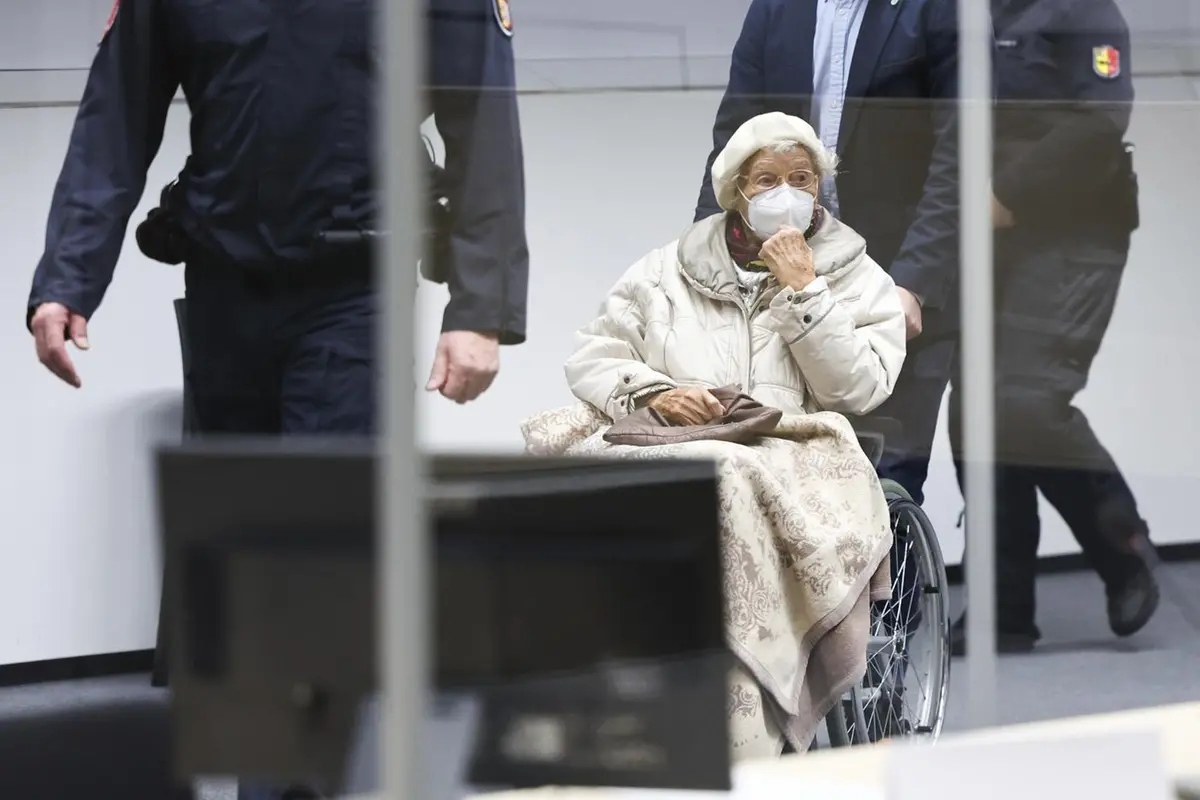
point(747, 314)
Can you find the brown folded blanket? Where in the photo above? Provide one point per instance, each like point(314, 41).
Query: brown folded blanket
point(745, 419)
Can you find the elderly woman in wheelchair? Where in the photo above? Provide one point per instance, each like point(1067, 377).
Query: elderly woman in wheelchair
point(778, 302)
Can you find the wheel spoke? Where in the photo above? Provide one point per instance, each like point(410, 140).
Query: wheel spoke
point(904, 691)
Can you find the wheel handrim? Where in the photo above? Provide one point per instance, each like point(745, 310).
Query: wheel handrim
point(908, 660)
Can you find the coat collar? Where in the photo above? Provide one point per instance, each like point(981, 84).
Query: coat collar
point(705, 262)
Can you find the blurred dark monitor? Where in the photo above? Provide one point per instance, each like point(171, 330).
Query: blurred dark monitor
point(578, 608)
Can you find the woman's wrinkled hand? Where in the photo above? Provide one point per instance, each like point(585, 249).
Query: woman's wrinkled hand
point(689, 405)
point(789, 258)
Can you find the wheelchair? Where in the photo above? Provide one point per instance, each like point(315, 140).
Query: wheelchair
point(904, 691)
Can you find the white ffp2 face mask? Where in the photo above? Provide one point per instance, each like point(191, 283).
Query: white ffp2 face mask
point(784, 205)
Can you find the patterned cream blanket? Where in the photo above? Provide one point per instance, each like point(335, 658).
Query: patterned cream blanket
point(805, 539)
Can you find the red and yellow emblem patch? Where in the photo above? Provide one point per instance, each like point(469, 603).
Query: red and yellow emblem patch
point(1106, 61)
point(503, 16)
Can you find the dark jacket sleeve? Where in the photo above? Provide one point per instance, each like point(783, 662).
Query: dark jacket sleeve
point(1091, 122)
point(473, 95)
point(745, 96)
point(117, 133)
point(927, 262)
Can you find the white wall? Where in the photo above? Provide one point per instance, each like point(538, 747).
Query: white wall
point(51, 34)
point(78, 556)
point(78, 552)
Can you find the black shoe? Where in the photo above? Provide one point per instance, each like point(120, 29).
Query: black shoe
point(1132, 605)
point(1007, 642)
point(301, 793)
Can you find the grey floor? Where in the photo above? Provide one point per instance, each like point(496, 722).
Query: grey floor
point(1078, 668)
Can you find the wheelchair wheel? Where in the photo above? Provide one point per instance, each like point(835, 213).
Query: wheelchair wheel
point(908, 658)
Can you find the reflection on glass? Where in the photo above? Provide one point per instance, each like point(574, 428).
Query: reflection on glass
point(239, 200)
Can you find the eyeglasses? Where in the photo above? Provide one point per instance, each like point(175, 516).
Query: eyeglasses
point(800, 179)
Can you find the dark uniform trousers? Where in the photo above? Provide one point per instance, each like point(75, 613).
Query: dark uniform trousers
point(1055, 298)
point(282, 351)
point(274, 353)
point(288, 352)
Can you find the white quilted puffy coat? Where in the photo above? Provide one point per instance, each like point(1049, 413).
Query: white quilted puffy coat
point(677, 318)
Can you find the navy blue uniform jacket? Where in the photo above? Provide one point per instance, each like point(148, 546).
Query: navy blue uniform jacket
point(898, 180)
point(1064, 99)
point(282, 99)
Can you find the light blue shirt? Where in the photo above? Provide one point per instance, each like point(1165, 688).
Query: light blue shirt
point(838, 24)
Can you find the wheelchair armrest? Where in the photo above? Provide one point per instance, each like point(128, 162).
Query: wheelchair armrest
point(873, 434)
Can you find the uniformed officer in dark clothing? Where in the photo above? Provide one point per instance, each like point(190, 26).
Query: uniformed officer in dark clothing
point(282, 97)
point(1064, 206)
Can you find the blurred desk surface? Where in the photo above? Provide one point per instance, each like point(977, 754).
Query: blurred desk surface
point(867, 766)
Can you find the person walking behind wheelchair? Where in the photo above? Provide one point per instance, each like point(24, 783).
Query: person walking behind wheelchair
point(879, 83)
point(1064, 207)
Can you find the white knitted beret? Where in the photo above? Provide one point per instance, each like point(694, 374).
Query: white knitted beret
point(766, 130)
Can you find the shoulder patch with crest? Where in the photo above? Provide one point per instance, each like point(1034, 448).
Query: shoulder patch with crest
point(1106, 61)
point(112, 18)
point(503, 13)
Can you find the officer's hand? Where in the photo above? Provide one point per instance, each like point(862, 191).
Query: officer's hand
point(464, 365)
point(913, 323)
point(1001, 216)
point(53, 325)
